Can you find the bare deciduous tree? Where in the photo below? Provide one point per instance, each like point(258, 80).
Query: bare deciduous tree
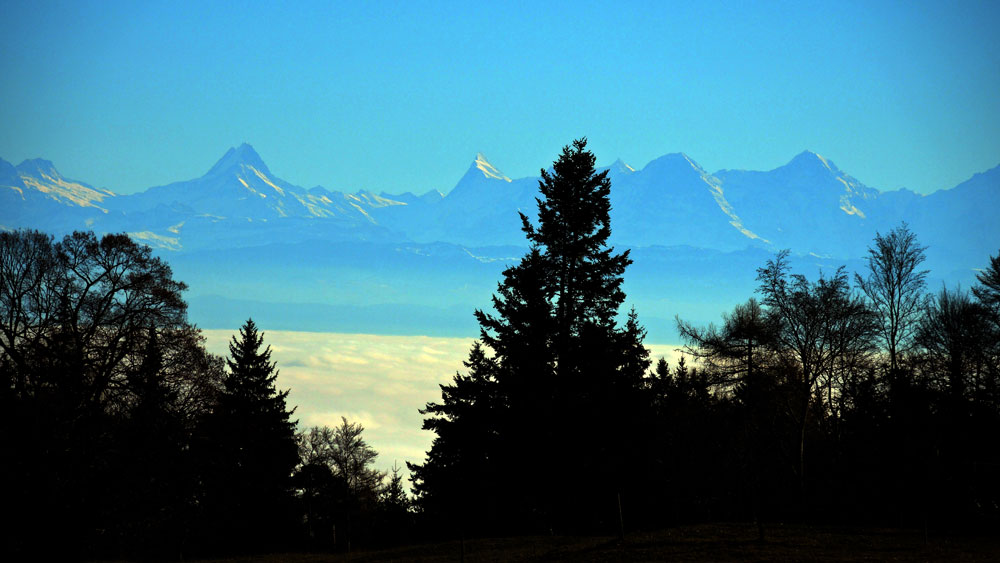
point(894, 288)
point(816, 324)
point(346, 453)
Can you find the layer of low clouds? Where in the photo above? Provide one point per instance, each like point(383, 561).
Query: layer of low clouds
point(376, 380)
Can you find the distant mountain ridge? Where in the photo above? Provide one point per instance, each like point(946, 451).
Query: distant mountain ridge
point(696, 236)
point(808, 205)
point(237, 202)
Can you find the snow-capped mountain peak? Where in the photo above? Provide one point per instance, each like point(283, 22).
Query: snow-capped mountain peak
point(488, 169)
point(40, 175)
point(809, 160)
point(620, 167)
point(808, 204)
point(673, 161)
point(235, 157)
point(38, 167)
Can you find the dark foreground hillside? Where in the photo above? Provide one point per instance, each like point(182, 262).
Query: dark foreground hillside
point(708, 542)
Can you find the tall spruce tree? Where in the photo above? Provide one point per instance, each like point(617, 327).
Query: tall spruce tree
point(554, 410)
point(256, 448)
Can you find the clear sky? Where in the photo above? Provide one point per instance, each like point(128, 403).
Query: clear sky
point(400, 96)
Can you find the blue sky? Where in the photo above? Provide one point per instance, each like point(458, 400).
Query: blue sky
point(401, 96)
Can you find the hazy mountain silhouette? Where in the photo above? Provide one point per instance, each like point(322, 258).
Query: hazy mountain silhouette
point(434, 250)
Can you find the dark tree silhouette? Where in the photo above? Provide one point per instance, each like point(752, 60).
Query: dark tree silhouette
point(816, 323)
point(953, 335)
point(958, 374)
point(894, 288)
point(744, 363)
point(552, 355)
point(394, 498)
point(85, 302)
point(255, 453)
point(395, 519)
point(104, 381)
point(353, 486)
point(324, 502)
point(595, 365)
point(31, 278)
point(352, 458)
point(582, 274)
point(466, 446)
point(734, 353)
point(987, 291)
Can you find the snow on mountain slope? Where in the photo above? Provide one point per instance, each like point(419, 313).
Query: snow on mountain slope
point(410, 198)
point(673, 200)
point(488, 170)
point(808, 205)
point(35, 194)
point(234, 199)
point(617, 171)
point(241, 186)
point(482, 209)
point(416, 262)
point(41, 177)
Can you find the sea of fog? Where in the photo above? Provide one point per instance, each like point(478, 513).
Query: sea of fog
point(379, 381)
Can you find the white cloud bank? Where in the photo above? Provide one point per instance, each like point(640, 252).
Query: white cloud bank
point(379, 381)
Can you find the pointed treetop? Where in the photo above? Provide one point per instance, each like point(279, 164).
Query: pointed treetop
point(573, 229)
point(247, 362)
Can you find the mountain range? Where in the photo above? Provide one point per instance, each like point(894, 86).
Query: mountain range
point(433, 252)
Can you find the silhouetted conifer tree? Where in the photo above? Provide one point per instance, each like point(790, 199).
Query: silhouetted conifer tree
point(558, 357)
point(987, 292)
point(394, 521)
point(255, 451)
point(464, 452)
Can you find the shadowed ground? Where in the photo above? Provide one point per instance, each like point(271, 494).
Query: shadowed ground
point(710, 542)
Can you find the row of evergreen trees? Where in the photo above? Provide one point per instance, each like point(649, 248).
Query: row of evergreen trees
point(818, 402)
point(124, 437)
